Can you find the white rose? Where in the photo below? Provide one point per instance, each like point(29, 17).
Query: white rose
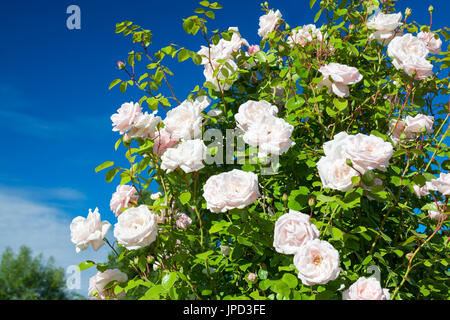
point(414, 125)
point(155, 196)
point(384, 26)
point(253, 111)
point(432, 44)
point(126, 117)
point(401, 49)
point(317, 262)
point(268, 22)
point(366, 289)
point(305, 35)
point(236, 41)
point(441, 184)
point(336, 174)
point(184, 121)
point(188, 155)
point(89, 231)
point(271, 135)
point(230, 190)
point(421, 191)
point(417, 68)
point(368, 152)
point(220, 81)
point(145, 126)
point(396, 128)
point(98, 283)
point(292, 230)
point(136, 228)
point(338, 77)
point(224, 48)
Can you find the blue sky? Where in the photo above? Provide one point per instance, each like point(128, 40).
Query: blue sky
point(55, 105)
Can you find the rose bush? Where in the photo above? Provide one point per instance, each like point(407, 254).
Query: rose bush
point(300, 164)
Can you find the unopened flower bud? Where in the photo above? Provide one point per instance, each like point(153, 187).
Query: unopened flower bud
point(409, 255)
point(349, 162)
point(431, 9)
point(408, 12)
point(311, 202)
point(285, 197)
point(150, 259)
point(126, 137)
point(120, 64)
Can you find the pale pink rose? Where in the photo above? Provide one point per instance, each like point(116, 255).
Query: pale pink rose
point(251, 277)
point(183, 221)
point(272, 135)
point(236, 42)
point(126, 117)
point(220, 81)
point(184, 121)
point(230, 190)
point(224, 48)
point(417, 68)
point(367, 152)
point(145, 126)
point(188, 155)
point(163, 141)
point(436, 215)
point(396, 128)
point(414, 125)
point(305, 35)
point(155, 196)
point(401, 49)
point(253, 49)
point(441, 184)
point(253, 111)
point(98, 283)
point(338, 77)
point(317, 262)
point(421, 191)
point(385, 26)
point(268, 23)
point(432, 44)
point(336, 174)
point(366, 289)
point(136, 228)
point(125, 196)
point(88, 231)
point(292, 230)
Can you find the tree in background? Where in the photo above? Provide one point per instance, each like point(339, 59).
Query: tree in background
point(24, 277)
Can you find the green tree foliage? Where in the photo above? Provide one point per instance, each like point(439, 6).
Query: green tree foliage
point(24, 277)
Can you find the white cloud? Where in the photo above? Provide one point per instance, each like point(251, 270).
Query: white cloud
point(45, 229)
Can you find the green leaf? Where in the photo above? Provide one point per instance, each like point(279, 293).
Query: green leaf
point(183, 55)
point(340, 104)
point(111, 174)
point(311, 3)
point(168, 280)
point(185, 197)
point(114, 83)
point(317, 16)
point(290, 280)
point(86, 265)
point(104, 165)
